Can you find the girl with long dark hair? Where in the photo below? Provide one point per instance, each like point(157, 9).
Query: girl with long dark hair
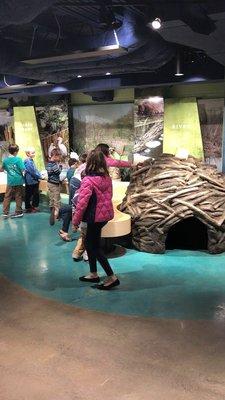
point(95, 207)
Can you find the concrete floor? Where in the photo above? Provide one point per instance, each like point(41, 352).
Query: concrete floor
point(51, 351)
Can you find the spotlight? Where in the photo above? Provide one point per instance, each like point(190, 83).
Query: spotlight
point(156, 24)
point(108, 73)
point(178, 69)
point(79, 76)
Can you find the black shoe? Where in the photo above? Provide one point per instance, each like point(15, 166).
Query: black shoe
point(93, 280)
point(108, 287)
point(52, 216)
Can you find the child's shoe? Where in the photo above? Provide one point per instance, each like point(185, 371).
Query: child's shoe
point(35, 209)
point(64, 236)
point(17, 215)
point(5, 215)
point(85, 256)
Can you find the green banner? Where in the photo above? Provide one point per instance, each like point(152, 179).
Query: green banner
point(182, 127)
point(26, 133)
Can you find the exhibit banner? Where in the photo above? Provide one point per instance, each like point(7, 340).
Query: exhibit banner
point(182, 132)
point(148, 127)
point(26, 133)
point(211, 121)
point(108, 123)
point(53, 127)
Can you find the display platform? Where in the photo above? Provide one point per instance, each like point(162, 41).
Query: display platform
point(178, 284)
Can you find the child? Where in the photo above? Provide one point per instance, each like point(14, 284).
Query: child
point(65, 212)
point(73, 164)
point(32, 178)
point(54, 169)
point(95, 207)
point(14, 167)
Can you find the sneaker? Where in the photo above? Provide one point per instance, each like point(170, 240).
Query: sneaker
point(35, 209)
point(85, 256)
point(17, 215)
point(65, 236)
point(28, 210)
point(5, 215)
point(76, 257)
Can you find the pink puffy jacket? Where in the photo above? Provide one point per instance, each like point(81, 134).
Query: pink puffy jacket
point(95, 200)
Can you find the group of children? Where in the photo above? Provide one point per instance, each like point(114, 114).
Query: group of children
point(90, 200)
point(18, 173)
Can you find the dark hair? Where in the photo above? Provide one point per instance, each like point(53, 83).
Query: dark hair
point(55, 152)
point(83, 158)
point(96, 163)
point(13, 148)
point(104, 148)
point(72, 161)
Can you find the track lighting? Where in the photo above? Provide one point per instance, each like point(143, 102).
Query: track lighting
point(178, 69)
point(156, 23)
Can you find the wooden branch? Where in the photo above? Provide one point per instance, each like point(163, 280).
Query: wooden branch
point(200, 212)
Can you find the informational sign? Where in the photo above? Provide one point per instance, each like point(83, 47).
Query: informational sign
point(26, 133)
point(182, 127)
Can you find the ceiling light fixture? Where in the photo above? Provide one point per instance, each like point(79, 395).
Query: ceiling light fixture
point(156, 24)
point(178, 69)
point(108, 73)
point(79, 76)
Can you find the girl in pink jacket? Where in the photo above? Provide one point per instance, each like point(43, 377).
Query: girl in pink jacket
point(95, 207)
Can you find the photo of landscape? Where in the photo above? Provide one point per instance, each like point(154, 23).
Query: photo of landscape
point(95, 124)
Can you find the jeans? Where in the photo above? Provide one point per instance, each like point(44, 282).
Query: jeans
point(93, 247)
point(31, 193)
point(65, 213)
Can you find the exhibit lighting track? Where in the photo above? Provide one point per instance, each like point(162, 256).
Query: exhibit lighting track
point(79, 55)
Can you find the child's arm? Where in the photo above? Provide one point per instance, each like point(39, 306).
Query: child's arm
point(32, 170)
point(85, 193)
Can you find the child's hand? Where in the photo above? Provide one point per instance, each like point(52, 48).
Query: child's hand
point(74, 228)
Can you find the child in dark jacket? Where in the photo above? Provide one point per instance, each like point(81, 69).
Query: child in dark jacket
point(54, 170)
point(95, 207)
point(32, 178)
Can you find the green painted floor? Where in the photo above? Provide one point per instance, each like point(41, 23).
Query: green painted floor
point(179, 284)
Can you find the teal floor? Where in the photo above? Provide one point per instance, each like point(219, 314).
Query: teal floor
point(179, 284)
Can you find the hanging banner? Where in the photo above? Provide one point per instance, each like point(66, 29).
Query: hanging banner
point(182, 132)
point(26, 133)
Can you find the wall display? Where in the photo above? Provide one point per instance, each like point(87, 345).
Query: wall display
point(108, 123)
point(26, 133)
point(148, 126)
point(6, 132)
point(182, 127)
point(211, 120)
point(53, 127)
point(167, 191)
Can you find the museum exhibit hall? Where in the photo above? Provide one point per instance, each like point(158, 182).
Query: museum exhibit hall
point(112, 200)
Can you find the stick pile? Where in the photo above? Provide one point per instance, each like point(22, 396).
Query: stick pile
point(164, 191)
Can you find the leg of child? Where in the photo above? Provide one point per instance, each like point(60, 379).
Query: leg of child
point(7, 200)
point(79, 249)
point(51, 194)
point(65, 213)
point(28, 195)
point(19, 199)
point(57, 200)
point(36, 197)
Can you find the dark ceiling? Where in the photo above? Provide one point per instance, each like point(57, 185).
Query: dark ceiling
point(32, 29)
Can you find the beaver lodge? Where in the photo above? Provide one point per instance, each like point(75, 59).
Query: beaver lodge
point(176, 203)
